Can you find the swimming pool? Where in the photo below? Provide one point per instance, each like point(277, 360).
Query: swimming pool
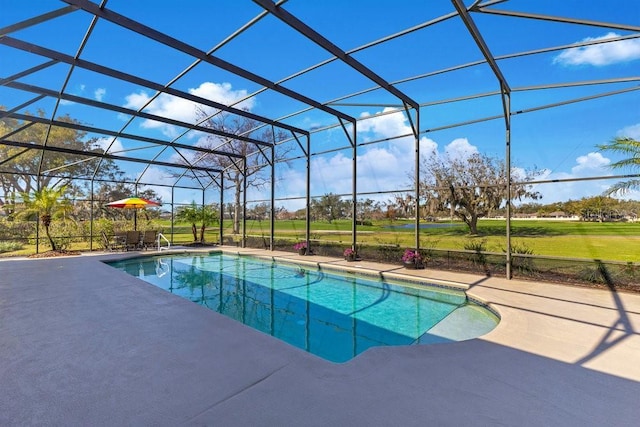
point(333, 315)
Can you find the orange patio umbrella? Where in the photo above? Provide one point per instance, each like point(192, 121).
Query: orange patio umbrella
point(133, 203)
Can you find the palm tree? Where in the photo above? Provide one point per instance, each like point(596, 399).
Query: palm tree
point(207, 215)
point(627, 147)
point(189, 214)
point(46, 203)
point(192, 214)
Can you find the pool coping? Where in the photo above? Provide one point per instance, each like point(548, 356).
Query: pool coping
point(80, 348)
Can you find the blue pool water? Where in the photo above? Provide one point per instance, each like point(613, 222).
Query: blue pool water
point(335, 316)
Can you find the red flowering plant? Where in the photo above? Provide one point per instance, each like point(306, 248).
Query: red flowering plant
point(349, 252)
point(300, 245)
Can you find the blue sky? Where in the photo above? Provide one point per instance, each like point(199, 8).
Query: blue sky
point(559, 141)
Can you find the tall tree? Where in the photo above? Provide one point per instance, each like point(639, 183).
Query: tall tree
point(627, 147)
point(367, 209)
point(24, 164)
point(405, 205)
point(597, 208)
point(329, 207)
point(470, 187)
point(48, 203)
point(255, 155)
point(25, 169)
point(259, 211)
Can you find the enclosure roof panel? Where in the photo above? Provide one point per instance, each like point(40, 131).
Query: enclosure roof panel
point(148, 81)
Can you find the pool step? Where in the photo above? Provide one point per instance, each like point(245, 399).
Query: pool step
point(466, 322)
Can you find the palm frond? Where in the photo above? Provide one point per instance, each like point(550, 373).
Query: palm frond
point(622, 145)
point(626, 163)
point(623, 187)
point(625, 146)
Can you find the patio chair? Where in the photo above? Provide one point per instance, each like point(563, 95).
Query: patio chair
point(133, 240)
point(120, 236)
point(149, 239)
point(111, 244)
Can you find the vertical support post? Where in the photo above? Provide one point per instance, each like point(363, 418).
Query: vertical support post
point(221, 231)
point(203, 217)
point(135, 211)
point(173, 211)
point(272, 216)
point(91, 218)
point(38, 222)
point(416, 134)
point(354, 188)
point(507, 100)
point(244, 202)
point(307, 214)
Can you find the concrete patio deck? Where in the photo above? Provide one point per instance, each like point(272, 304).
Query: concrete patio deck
point(84, 344)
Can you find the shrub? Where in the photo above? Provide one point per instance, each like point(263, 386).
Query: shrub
point(427, 247)
point(64, 233)
point(477, 246)
point(16, 230)
point(521, 263)
point(10, 246)
point(591, 274)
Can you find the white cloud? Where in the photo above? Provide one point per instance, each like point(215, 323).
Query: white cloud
point(136, 100)
point(378, 168)
point(600, 54)
point(387, 125)
point(588, 165)
point(158, 176)
point(99, 94)
point(290, 182)
point(384, 167)
point(77, 90)
point(387, 166)
point(632, 131)
point(460, 148)
point(224, 94)
point(116, 147)
point(390, 126)
point(185, 110)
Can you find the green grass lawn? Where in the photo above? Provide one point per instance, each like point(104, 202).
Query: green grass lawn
point(589, 240)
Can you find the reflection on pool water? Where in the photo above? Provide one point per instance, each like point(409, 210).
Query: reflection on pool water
point(332, 315)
